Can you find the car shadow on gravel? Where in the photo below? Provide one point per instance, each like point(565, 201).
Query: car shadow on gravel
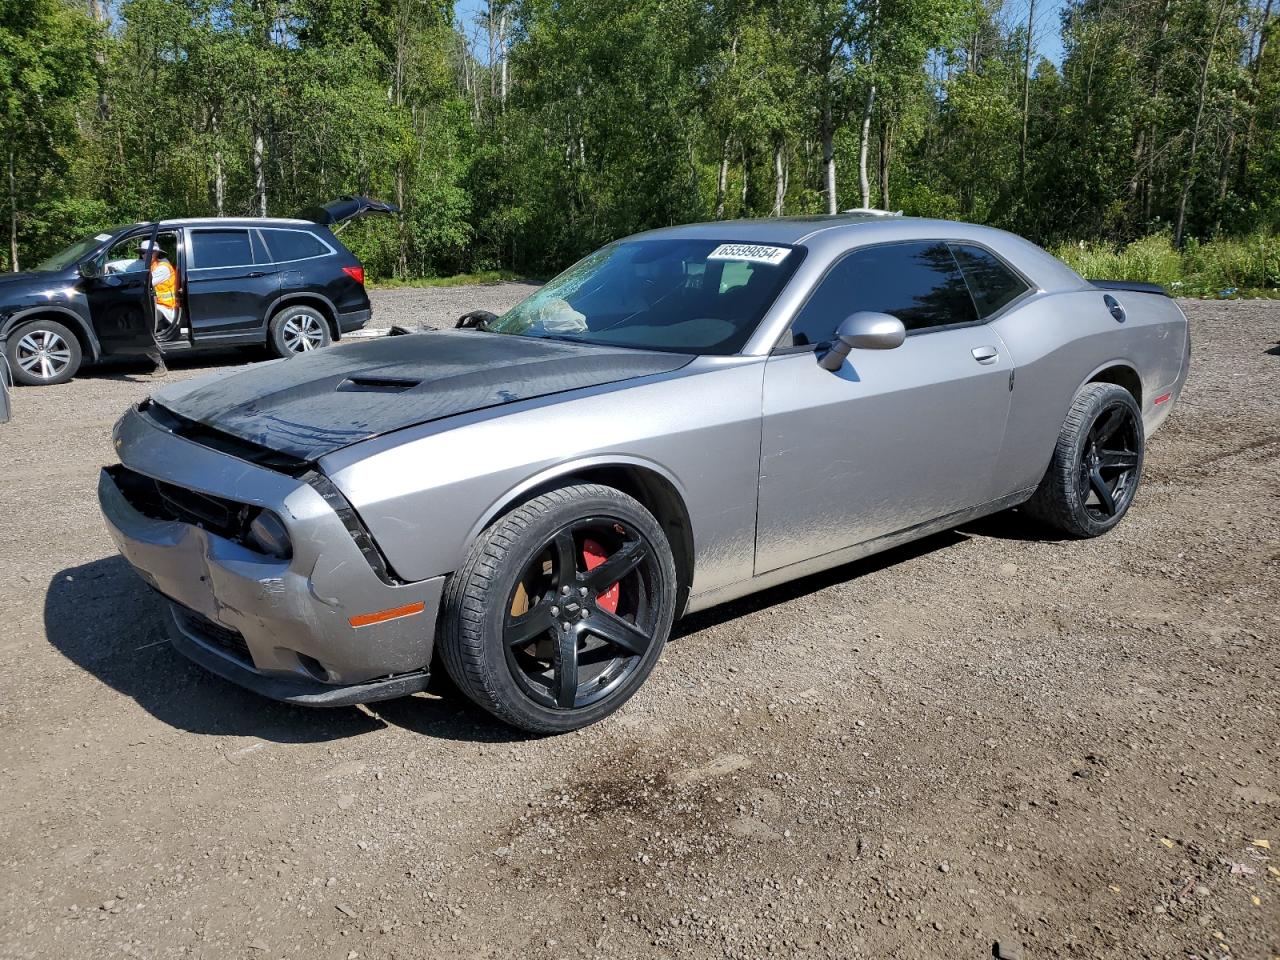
point(795, 589)
point(103, 618)
point(1011, 525)
point(138, 369)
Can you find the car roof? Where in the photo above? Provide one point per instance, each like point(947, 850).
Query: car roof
point(800, 229)
point(236, 222)
point(829, 235)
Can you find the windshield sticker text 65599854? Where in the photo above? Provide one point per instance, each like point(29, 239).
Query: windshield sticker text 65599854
point(751, 252)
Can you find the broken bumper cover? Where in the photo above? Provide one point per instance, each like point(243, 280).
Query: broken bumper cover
point(193, 643)
point(281, 627)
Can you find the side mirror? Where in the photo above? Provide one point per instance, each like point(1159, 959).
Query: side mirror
point(88, 270)
point(863, 330)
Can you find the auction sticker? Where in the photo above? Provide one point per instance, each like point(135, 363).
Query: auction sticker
point(751, 252)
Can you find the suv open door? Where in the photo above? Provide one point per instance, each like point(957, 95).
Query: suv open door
point(121, 302)
point(337, 213)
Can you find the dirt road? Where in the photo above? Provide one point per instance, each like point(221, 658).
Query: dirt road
point(1068, 749)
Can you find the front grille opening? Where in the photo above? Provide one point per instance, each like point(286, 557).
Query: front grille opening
point(165, 501)
point(214, 634)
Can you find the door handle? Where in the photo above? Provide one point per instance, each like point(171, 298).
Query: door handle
point(986, 354)
point(256, 274)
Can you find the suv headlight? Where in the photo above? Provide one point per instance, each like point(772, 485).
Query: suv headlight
point(267, 532)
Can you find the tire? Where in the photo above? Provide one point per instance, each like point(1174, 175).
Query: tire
point(487, 609)
point(1094, 453)
point(298, 329)
point(42, 353)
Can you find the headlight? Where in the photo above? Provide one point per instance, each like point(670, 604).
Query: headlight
point(268, 534)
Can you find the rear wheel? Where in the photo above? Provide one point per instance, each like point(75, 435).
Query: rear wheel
point(1096, 464)
point(42, 352)
point(561, 609)
point(299, 329)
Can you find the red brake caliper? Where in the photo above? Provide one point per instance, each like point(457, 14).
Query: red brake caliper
point(593, 555)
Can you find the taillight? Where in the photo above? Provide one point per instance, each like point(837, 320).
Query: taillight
point(355, 273)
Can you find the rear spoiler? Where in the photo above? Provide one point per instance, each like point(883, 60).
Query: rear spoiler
point(1135, 286)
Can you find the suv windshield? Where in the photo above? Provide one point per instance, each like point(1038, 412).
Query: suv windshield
point(72, 254)
point(680, 295)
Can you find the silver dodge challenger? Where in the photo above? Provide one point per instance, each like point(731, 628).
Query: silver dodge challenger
point(682, 418)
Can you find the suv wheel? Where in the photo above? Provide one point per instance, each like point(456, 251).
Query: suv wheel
point(299, 329)
point(561, 609)
point(42, 352)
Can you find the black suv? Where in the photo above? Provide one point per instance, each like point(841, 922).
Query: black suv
point(290, 284)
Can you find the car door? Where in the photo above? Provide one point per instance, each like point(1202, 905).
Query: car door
point(894, 438)
point(117, 288)
point(230, 283)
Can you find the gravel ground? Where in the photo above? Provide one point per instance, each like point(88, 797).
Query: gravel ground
point(1068, 749)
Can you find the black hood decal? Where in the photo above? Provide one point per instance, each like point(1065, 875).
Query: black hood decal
point(313, 404)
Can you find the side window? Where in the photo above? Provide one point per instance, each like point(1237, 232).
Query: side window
point(919, 283)
point(293, 245)
point(260, 254)
point(992, 283)
point(127, 256)
point(220, 248)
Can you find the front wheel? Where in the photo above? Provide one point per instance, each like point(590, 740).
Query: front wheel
point(561, 609)
point(1096, 464)
point(42, 352)
point(299, 329)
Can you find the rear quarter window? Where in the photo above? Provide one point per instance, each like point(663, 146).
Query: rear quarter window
point(293, 245)
point(992, 284)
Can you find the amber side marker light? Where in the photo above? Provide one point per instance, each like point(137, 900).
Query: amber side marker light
point(382, 616)
point(1161, 399)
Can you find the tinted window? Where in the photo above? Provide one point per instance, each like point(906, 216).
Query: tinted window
point(992, 283)
point(918, 283)
point(293, 245)
point(220, 248)
point(260, 254)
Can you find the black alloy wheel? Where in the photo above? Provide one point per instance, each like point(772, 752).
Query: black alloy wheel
point(561, 608)
point(583, 613)
point(1109, 462)
point(1096, 464)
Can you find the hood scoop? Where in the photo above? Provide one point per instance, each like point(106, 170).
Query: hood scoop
point(377, 385)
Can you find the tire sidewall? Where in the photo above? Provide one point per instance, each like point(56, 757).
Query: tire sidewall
point(530, 541)
point(275, 331)
point(23, 329)
point(1099, 401)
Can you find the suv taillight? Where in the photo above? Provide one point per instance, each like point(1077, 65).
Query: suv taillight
point(355, 273)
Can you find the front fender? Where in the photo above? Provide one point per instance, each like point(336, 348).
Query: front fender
point(425, 493)
point(78, 325)
point(551, 477)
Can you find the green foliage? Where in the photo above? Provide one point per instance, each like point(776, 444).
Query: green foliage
point(524, 137)
point(1213, 268)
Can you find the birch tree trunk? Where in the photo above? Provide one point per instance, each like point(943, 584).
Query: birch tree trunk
point(219, 173)
point(886, 156)
point(779, 179)
point(13, 216)
point(863, 145)
point(828, 158)
point(722, 179)
point(259, 165)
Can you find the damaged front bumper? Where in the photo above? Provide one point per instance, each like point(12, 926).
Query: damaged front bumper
point(307, 629)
